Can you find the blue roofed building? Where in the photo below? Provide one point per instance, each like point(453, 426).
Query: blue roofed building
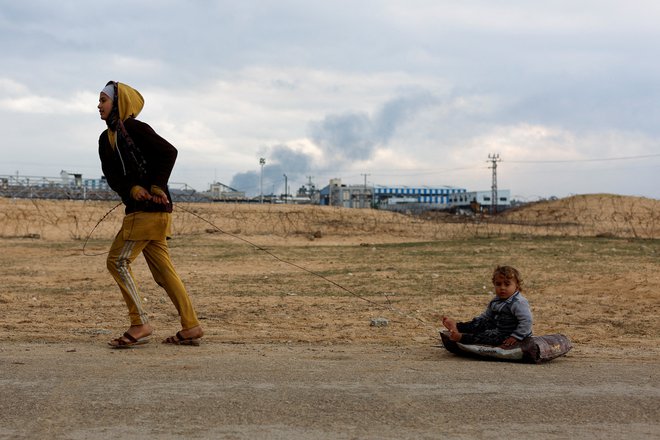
point(439, 196)
point(393, 197)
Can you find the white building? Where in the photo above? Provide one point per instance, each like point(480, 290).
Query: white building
point(481, 200)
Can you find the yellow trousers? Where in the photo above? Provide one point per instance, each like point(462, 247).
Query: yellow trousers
point(146, 233)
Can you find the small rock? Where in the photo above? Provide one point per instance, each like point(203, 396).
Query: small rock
point(379, 322)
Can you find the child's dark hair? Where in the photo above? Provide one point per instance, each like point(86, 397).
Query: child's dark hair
point(510, 273)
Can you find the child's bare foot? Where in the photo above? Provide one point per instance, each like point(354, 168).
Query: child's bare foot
point(455, 336)
point(450, 324)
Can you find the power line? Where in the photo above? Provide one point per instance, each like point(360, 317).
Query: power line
point(421, 172)
point(605, 159)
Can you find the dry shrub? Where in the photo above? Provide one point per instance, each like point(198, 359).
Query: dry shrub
point(587, 215)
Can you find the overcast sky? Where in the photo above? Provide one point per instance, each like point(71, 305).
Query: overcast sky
point(405, 92)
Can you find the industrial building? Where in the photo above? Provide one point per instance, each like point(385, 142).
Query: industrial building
point(430, 195)
point(347, 196)
point(221, 192)
point(395, 197)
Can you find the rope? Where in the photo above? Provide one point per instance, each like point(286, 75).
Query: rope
point(94, 229)
point(388, 307)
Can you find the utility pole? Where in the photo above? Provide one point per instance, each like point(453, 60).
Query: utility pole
point(494, 158)
point(364, 191)
point(285, 189)
point(262, 162)
point(310, 188)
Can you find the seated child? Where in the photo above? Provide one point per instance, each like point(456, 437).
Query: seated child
point(507, 319)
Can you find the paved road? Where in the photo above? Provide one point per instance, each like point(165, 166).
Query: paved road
point(85, 391)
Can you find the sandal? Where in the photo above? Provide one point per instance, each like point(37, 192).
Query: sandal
point(179, 339)
point(127, 341)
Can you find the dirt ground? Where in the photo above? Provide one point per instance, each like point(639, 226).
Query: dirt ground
point(287, 296)
point(81, 390)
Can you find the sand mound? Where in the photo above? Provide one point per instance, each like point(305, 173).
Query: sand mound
point(592, 215)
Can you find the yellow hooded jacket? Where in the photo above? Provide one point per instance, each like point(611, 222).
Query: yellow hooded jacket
point(160, 157)
point(129, 104)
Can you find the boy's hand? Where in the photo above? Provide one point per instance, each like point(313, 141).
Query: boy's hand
point(158, 195)
point(160, 199)
point(138, 193)
point(509, 342)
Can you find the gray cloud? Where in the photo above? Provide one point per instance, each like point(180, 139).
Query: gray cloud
point(397, 111)
point(247, 181)
point(345, 137)
point(281, 160)
point(355, 136)
point(294, 162)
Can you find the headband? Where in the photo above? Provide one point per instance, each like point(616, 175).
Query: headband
point(109, 90)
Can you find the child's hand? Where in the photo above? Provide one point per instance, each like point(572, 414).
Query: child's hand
point(509, 342)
